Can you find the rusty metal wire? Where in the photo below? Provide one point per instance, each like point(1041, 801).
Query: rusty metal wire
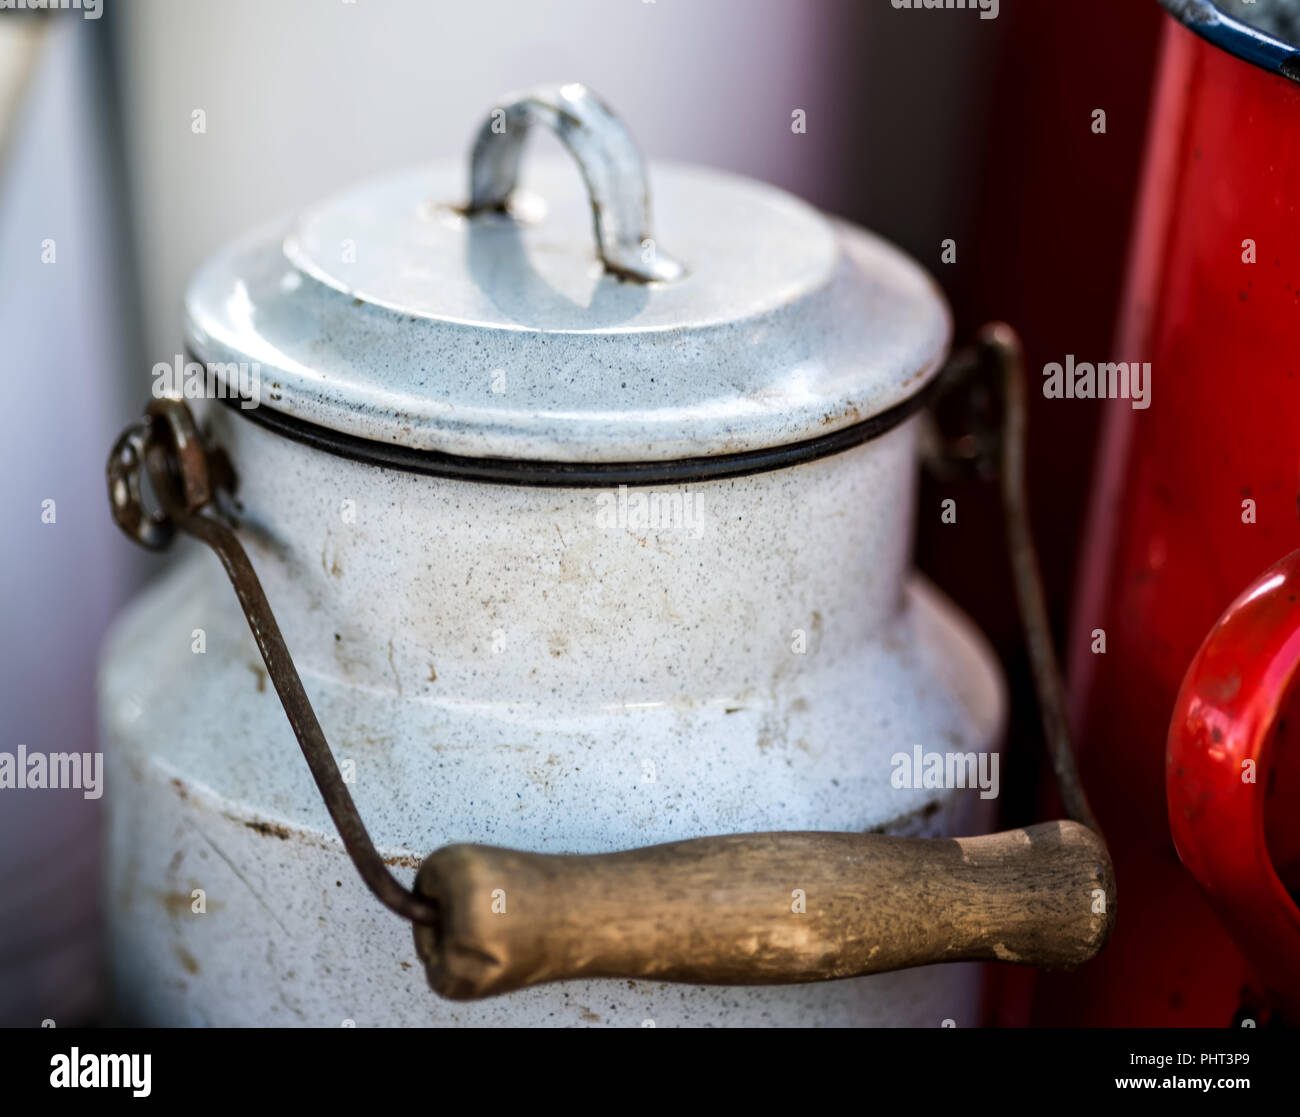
point(986, 375)
point(178, 472)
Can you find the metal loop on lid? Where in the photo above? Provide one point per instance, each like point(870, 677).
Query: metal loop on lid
point(607, 156)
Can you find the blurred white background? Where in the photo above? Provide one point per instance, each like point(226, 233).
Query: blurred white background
point(303, 97)
point(63, 325)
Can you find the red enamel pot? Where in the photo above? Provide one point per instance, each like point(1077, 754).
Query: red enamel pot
point(1195, 496)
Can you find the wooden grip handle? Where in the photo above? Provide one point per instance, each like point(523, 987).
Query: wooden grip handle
point(757, 909)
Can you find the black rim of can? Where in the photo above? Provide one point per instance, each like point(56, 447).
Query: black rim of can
point(585, 475)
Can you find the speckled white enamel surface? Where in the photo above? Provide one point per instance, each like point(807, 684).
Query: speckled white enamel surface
point(388, 316)
point(573, 670)
point(503, 665)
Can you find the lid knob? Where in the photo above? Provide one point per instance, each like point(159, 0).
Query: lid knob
point(607, 156)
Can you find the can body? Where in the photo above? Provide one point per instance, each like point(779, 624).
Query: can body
point(554, 669)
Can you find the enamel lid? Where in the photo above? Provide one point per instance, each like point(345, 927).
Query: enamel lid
point(549, 322)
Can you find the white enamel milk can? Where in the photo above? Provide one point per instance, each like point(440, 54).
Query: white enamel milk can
point(578, 561)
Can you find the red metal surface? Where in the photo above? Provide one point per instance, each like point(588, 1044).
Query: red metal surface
point(1218, 771)
point(1045, 218)
point(1167, 545)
